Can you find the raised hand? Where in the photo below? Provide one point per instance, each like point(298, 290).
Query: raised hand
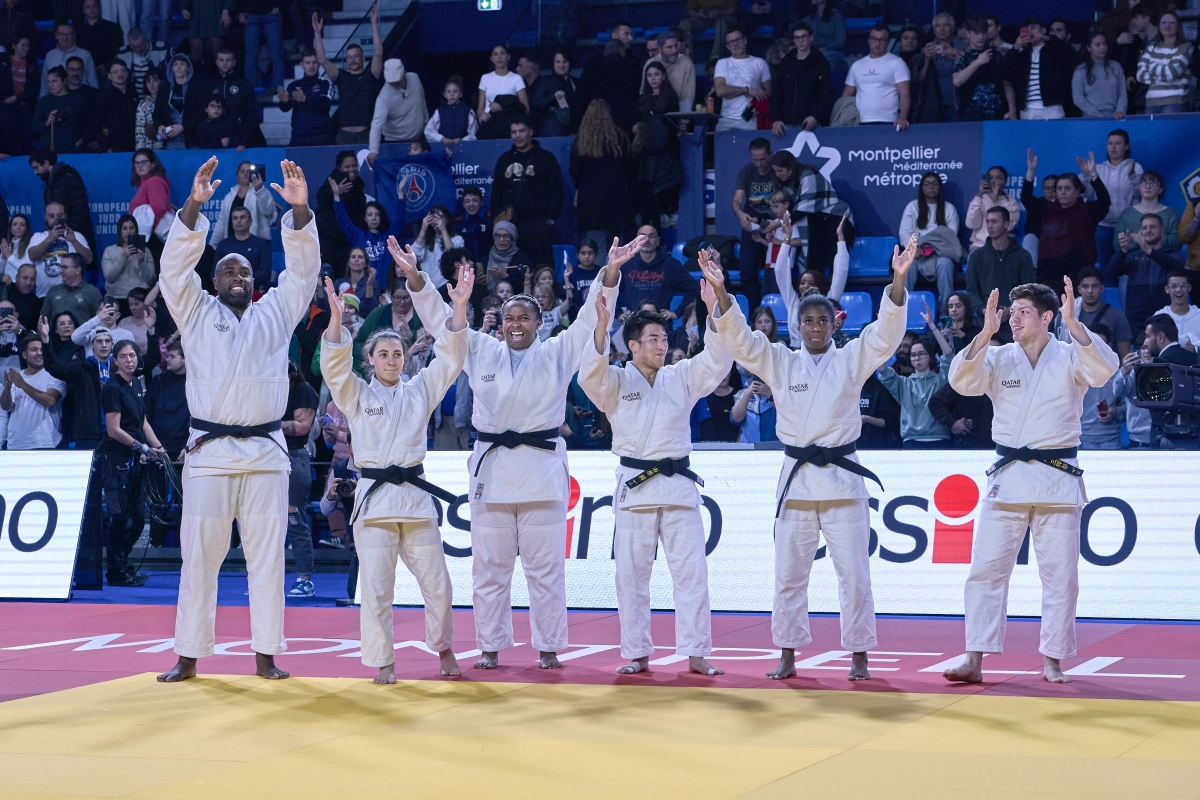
point(335, 188)
point(927, 315)
point(1031, 161)
point(618, 254)
point(841, 229)
point(603, 315)
point(404, 257)
point(44, 328)
point(295, 189)
point(707, 295)
point(203, 186)
point(337, 307)
point(1068, 301)
point(460, 293)
point(711, 271)
point(992, 315)
point(902, 260)
point(1087, 166)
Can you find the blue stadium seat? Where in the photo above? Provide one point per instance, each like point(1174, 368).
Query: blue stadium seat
point(561, 251)
point(744, 304)
point(915, 306)
point(762, 31)
point(677, 252)
point(779, 309)
point(278, 263)
point(857, 306)
point(871, 256)
point(1112, 296)
point(861, 24)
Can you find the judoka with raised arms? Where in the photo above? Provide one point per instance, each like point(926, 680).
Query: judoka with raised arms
point(821, 488)
point(1036, 385)
point(518, 484)
point(237, 465)
point(394, 513)
point(657, 497)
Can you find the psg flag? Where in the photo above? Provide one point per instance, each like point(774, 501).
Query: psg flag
point(409, 187)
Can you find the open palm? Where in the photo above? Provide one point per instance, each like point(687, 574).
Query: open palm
point(460, 293)
point(295, 189)
point(404, 257)
point(203, 186)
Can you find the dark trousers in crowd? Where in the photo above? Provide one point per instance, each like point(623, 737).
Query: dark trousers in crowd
point(123, 496)
point(536, 238)
point(298, 532)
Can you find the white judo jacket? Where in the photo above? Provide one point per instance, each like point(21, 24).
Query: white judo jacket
point(533, 397)
point(1036, 407)
point(388, 424)
point(816, 398)
point(653, 422)
point(237, 373)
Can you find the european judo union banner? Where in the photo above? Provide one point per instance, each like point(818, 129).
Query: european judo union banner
point(408, 187)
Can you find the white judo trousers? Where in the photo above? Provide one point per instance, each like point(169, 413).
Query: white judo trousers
point(1001, 530)
point(846, 525)
point(258, 501)
point(418, 543)
point(538, 533)
point(636, 536)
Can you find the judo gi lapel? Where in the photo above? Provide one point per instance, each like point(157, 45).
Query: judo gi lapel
point(652, 398)
point(1032, 375)
point(515, 379)
point(392, 403)
point(241, 331)
point(817, 370)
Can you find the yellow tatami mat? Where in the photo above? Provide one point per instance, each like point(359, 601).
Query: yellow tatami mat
point(231, 737)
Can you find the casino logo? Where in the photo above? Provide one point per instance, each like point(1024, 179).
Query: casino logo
point(415, 187)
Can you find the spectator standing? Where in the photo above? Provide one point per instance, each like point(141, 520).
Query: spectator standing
point(360, 282)
point(358, 86)
point(527, 185)
point(166, 401)
point(374, 238)
point(14, 247)
point(149, 178)
point(1033, 216)
point(655, 276)
point(753, 187)
point(400, 111)
point(801, 86)
point(720, 15)
point(208, 22)
point(128, 264)
point(1098, 84)
point(255, 250)
point(968, 418)
point(1129, 46)
point(934, 220)
point(334, 244)
point(1163, 67)
point(31, 398)
point(141, 57)
point(1100, 422)
point(569, 84)
point(23, 298)
point(64, 37)
point(1180, 309)
point(1189, 234)
point(98, 36)
point(1121, 176)
point(681, 71)
point(1037, 74)
point(20, 81)
point(1150, 190)
point(139, 322)
point(1137, 420)
point(474, 225)
point(71, 293)
point(601, 165)
point(251, 193)
point(979, 77)
point(1091, 310)
point(656, 144)
point(880, 83)
point(76, 85)
point(309, 101)
point(754, 412)
point(934, 78)
point(180, 100)
point(962, 327)
point(15, 23)
point(739, 79)
point(501, 82)
point(578, 279)
point(60, 117)
point(613, 75)
point(989, 195)
point(453, 121)
point(547, 109)
point(880, 414)
point(1068, 232)
point(1147, 263)
point(298, 419)
point(48, 250)
point(828, 28)
point(114, 118)
point(435, 237)
point(919, 430)
point(11, 332)
point(241, 104)
point(262, 19)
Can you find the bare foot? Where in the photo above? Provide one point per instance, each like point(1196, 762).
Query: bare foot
point(265, 668)
point(634, 667)
point(488, 661)
point(386, 676)
point(549, 661)
point(787, 665)
point(858, 668)
point(1052, 671)
point(184, 668)
point(700, 665)
point(970, 671)
point(449, 663)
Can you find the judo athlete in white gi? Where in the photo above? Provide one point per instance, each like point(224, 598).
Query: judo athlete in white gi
point(394, 514)
point(1036, 385)
point(237, 464)
point(519, 483)
point(821, 488)
point(657, 496)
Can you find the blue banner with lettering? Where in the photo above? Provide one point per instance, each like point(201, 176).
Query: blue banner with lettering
point(410, 186)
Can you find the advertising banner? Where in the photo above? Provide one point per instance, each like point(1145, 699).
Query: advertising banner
point(42, 494)
point(1139, 551)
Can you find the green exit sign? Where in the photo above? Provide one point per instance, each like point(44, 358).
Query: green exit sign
point(490, 5)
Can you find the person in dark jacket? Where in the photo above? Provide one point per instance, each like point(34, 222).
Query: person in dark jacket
point(602, 169)
point(60, 116)
point(659, 173)
point(16, 23)
point(969, 419)
point(334, 244)
point(654, 276)
point(16, 117)
point(82, 376)
point(474, 225)
point(1068, 236)
point(550, 118)
point(166, 401)
point(308, 100)
point(528, 184)
point(241, 105)
point(1051, 97)
point(217, 130)
point(616, 76)
point(357, 86)
point(100, 37)
point(1000, 264)
point(64, 185)
point(181, 100)
point(801, 86)
point(115, 114)
point(880, 417)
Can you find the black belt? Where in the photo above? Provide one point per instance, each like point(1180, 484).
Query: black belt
point(215, 430)
point(666, 466)
point(542, 440)
point(396, 476)
point(1051, 458)
point(822, 457)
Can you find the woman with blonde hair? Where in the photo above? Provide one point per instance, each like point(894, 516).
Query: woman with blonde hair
point(602, 168)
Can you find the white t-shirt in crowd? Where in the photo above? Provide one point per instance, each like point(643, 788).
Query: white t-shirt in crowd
point(48, 264)
point(750, 71)
point(875, 79)
point(1188, 324)
point(32, 426)
point(493, 85)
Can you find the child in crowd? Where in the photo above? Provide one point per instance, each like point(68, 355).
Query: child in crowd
point(217, 130)
point(474, 225)
point(454, 121)
point(553, 312)
point(577, 279)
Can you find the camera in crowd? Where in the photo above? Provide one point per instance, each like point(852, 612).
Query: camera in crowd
point(1171, 393)
point(345, 488)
